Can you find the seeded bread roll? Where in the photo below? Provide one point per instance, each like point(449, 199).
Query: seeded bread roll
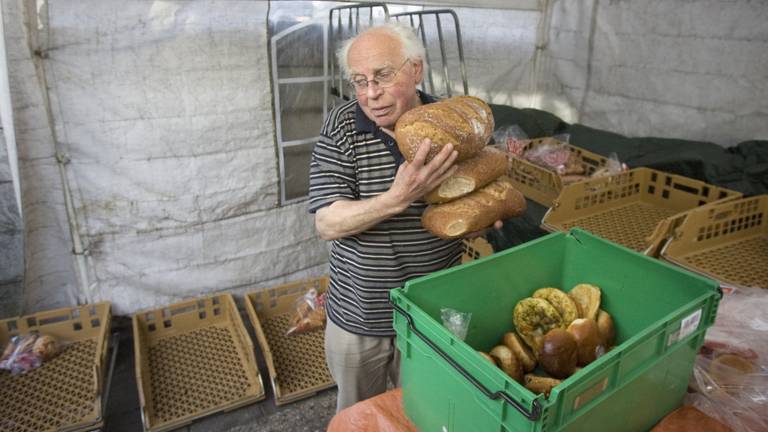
point(472, 174)
point(478, 210)
point(464, 121)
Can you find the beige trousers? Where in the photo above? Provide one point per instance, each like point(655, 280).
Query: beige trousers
point(360, 365)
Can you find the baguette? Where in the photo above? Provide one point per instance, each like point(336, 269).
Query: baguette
point(478, 210)
point(464, 121)
point(470, 175)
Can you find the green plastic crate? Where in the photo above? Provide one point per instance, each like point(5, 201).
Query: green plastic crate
point(661, 313)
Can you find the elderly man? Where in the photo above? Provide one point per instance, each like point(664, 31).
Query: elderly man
point(367, 202)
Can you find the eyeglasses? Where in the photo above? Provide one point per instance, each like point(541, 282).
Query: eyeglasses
point(383, 78)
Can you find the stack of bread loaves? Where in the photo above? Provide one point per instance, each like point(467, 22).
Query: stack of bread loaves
point(478, 193)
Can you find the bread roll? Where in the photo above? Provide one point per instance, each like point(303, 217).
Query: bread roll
point(507, 362)
point(472, 174)
point(559, 354)
point(588, 298)
point(606, 327)
point(464, 121)
point(540, 384)
point(588, 340)
point(513, 341)
point(480, 209)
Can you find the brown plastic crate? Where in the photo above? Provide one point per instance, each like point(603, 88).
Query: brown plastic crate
point(64, 394)
point(296, 363)
point(638, 208)
point(727, 242)
point(541, 184)
point(475, 248)
point(193, 359)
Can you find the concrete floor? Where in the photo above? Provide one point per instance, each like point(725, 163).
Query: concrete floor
point(122, 412)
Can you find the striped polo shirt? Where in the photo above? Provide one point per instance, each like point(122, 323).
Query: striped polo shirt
point(354, 160)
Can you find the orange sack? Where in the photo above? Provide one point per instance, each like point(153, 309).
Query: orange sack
point(382, 413)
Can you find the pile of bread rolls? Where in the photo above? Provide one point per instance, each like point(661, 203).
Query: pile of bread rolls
point(558, 332)
point(478, 193)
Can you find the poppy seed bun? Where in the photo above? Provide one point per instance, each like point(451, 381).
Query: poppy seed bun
point(561, 301)
point(533, 318)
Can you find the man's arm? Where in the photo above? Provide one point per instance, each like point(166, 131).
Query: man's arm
point(412, 181)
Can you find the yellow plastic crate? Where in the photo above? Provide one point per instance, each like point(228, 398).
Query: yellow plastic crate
point(65, 393)
point(638, 208)
point(296, 363)
point(475, 248)
point(544, 185)
point(193, 359)
point(727, 242)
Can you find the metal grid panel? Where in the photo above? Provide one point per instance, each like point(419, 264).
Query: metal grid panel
point(421, 22)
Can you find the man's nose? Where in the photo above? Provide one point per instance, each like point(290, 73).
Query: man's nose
point(373, 90)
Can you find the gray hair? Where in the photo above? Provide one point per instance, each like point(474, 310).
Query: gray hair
point(410, 44)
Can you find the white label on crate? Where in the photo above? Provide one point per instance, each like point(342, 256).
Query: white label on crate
point(590, 393)
point(689, 324)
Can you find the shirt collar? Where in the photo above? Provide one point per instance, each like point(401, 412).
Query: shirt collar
point(364, 124)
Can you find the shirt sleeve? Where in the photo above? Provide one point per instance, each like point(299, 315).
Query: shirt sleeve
point(332, 169)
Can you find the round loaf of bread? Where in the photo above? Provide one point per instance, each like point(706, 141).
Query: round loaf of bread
point(464, 121)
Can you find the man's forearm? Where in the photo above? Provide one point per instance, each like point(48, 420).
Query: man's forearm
point(346, 217)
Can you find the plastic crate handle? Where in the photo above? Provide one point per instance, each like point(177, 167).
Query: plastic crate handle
point(535, 412)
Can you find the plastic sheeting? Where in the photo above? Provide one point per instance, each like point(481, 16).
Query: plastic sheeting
point(164, 112)
point(678, 69)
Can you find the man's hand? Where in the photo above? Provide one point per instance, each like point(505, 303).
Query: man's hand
point(475, 234)
point(415, 179)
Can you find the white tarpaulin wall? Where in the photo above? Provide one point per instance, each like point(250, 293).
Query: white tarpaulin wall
point(163, 111)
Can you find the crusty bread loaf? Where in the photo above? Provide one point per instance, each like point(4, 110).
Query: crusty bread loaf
point(464, 121)
point(470, 175)
point(476, 211)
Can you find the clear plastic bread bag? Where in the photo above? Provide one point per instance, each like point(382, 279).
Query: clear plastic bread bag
point(24, 353)
point(309, 313)
point(612, 166)
point(510, 139)
point(555, 156)
point(455, 321)
point(730, 376)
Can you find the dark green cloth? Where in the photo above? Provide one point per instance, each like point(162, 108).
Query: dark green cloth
point(743, 167)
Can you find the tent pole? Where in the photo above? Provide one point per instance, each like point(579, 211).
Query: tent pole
point(78, 250)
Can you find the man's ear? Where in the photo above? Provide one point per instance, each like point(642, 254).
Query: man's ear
point(418, 71)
